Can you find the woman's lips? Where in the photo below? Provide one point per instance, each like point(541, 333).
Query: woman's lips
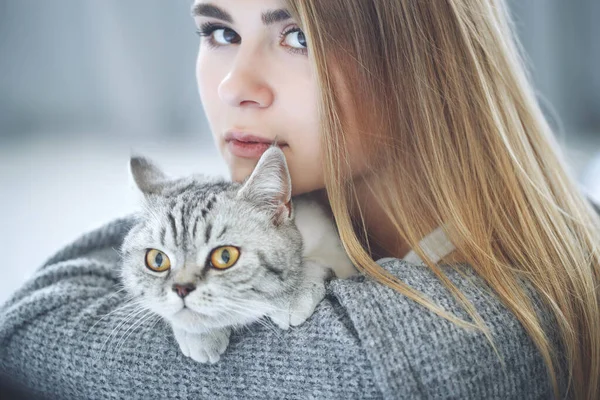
point(248, 146)
point(247, 149)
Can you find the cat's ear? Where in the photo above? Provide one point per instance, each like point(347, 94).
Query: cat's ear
point(270, 185)
point(148, 177)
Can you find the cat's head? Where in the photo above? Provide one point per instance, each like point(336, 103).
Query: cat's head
point(208, 253)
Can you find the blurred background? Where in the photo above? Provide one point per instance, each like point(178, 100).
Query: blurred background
point(83, 83)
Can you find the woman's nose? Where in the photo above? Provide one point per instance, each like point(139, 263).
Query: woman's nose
point(246, 86)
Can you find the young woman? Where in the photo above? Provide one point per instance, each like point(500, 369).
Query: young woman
point(415, 122)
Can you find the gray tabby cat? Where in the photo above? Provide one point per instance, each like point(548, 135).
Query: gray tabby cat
point(210, 256)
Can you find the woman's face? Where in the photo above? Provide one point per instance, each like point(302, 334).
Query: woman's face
point(256, 84)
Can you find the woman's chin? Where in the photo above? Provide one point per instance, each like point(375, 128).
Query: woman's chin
point(238, 172)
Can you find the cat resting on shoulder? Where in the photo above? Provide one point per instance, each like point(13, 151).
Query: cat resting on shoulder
point(210, 256)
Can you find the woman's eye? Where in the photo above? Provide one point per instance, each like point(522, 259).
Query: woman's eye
point(157, 261)
point(224, 257)
point(295, 38)
point(218, 35)
point(225, 36)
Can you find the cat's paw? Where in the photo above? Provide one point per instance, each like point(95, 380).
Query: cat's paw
point(281, 318)
point(306, 302)
point(203, 347)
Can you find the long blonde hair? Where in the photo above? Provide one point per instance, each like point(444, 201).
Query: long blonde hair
point(461, 142)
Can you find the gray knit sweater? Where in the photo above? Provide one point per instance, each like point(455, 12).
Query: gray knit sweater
point(59, 338)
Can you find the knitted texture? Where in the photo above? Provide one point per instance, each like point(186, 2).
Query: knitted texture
point(64, 335)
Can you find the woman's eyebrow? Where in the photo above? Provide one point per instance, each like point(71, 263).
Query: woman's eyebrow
point(209, 10)
point(274, 16)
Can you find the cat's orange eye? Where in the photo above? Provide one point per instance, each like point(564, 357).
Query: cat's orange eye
point(157, 261)
point(224, 257)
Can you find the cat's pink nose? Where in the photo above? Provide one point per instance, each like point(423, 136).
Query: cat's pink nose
point(184, 290)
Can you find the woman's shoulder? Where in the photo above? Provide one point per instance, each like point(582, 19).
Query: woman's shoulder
point(72, 315)
point(95, 242)
point(444, 359)
point(93, 254)
point(363, 339)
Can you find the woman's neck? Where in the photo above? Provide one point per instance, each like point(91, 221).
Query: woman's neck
point(383, 239)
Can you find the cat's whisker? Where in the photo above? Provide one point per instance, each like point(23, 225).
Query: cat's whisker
point(134, 327)
point(244, 312)
point(122, 289)
point(261, 320)
point(156, 321)
point(269, 325)
point(120, 336)
point(120, 308)
point(114, 331)
point(135, 317)
point(125, 320)
point(130, 302)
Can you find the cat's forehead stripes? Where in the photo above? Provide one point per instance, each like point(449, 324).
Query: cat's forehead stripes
point(209, 204)
point(194, 231)
point(207, 232)
point(176, 221)
point(187, 210)
point(173, 225)
point(163, 233)
point(185, 213)
point(200, 213)
point(220, 236)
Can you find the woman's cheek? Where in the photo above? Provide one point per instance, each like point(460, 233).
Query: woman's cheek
point(208, 78)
